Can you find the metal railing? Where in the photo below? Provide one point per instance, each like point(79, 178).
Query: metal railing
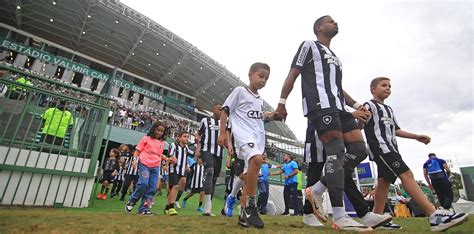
point(50, 140)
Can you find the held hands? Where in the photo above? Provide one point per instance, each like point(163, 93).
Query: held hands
point(361, 114)
point(280, 113)
point(423, 139)
point(172, 160)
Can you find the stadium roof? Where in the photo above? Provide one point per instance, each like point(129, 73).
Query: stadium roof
point(121, 37)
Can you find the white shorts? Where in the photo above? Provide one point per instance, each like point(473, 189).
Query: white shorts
point(246, 152)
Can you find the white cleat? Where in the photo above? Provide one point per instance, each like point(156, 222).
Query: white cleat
point(348, 224)
point(311, 220)
point(374, 220)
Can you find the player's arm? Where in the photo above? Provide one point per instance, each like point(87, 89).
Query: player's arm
point(421, 138)
point(198, 139)
point(280, 112)
point(230, 147)
point(222, 128)
point(351, 102)
point(276, 173)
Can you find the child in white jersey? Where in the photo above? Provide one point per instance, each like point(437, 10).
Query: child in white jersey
point(244, 109)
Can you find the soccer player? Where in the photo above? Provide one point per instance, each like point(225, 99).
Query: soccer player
point(211, 153)
point(244, 109)
point(323, 104)
point(196, 184)
point(381, 131)
point(177, 172)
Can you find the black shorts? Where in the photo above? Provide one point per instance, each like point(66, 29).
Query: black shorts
point(107, 176)
point(239, 165)
point(390, 166)
point(332, 120)
point(197, 190)
point(314, 150)
point(173, 179)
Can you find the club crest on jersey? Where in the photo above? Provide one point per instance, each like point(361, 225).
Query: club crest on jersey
point(214, 127)
point(255, 114)
point(327, 119)
point(396, 164)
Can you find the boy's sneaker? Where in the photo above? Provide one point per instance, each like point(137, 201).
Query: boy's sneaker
point(146, 213)
point(442, 220)
point(200, 209)
point(311, 220)
point(249, 218)
point(104, 197)
point(184, 204)
point(374, 220)
point(172, 212)
point(390, 226)
point(347, 223)
point(229, 205)
point(99, 196)
point(129, 207)
point(176, 204)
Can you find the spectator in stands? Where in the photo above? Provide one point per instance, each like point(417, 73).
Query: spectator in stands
point(437, 174)
point(290, 193)
point(56, 122)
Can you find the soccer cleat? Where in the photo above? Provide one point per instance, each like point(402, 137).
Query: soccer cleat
point(176, 204)
point(346, 223)
point(390, 226)
point(200, 209)
point(129, 207)
point(99, 196)
point(184, 204)
point(374, 220)
point(172, 212)
point(104, 197)
point(317, 205)
point(442, 220)
point(146, 213)
point(229, 205)
point(249, 218)
point(311, 220)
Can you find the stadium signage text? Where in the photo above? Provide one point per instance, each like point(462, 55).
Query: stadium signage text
point(49, 58)
point(130, 86)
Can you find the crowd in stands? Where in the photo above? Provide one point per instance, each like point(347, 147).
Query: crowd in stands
point(140, 120)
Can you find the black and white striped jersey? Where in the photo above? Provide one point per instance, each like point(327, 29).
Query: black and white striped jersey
point(128, 162)
point(198, 176)
point(120, 176)
point(321, 77)
point(380, 129)
point(209, 132)
point(313, 150)
point(181, 154)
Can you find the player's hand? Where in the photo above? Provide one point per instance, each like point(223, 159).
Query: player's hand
point(423, 139)
point(197, 153)
point(134, 164)
point(230, 148)
point(188, 169)
point(280, 113)
point(361, 115)
point(286, 177)
point(221, 140)
point(114, 174)
point(172, 160)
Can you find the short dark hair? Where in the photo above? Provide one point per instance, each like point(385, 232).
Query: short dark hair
point(318, 23)
point(116, 152)
point(257, 66)
point(181, 133)
point(431, 154)
point(376, 82)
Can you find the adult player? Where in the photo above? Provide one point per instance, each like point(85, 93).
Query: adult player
point(323, 105)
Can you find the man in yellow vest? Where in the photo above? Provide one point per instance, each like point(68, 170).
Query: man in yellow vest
point(56, 121)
